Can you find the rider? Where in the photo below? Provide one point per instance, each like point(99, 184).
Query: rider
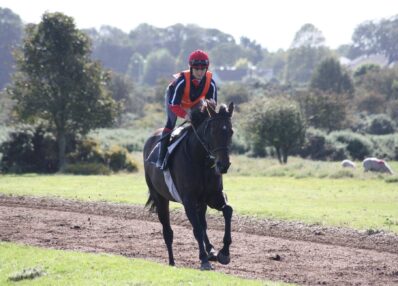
point(187, 90)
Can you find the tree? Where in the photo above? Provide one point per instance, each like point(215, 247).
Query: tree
point(301, 63)
point(159, 64)
point(276, 123)
point(254, 51)
point(376, 38)
point(121, 88)
point(145, 39)
point(10, 37)
point(330, 77)
point(135, 68)
point(324, 110)
point(58, 84)
point(235, 92)
point(226, 54)
point(381, 81)
point(112, 47)
point(308, 36)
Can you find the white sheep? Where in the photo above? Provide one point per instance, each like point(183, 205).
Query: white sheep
point(347, 164)
point(376, 165)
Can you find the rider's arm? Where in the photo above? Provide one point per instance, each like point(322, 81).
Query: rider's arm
point(175, 97)
point(212, 93)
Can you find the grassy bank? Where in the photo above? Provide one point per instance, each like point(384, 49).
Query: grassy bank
point(350, 202)
point(25, 265)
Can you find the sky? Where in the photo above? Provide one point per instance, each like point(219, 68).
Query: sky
point(273, 24)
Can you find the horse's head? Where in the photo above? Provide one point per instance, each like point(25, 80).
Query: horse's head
point(217, 135)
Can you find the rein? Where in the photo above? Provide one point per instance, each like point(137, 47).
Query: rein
point(210, 152)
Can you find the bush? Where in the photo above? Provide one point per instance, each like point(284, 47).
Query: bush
point(29, 149)
point(358, 146)
point(32, 149)
point(87, 150)
point(277, 123)
point(118, 159)
point(318, 146)
point(385, 146)
point(87, 169)
point(381, 124)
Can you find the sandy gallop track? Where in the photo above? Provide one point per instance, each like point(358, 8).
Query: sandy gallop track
point(309, 255)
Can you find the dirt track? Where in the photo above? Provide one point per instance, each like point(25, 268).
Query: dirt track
point(309, 255)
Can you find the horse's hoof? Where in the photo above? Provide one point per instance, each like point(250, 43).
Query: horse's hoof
point(223, 259)
point(212, 256)
point(206, 266)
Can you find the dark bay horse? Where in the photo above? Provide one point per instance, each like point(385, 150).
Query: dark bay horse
point(196, 167)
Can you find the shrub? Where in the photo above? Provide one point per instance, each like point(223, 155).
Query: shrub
point(318, 146)
point(381, 124)
point(131, 165)
point(29, 149)
point(277, 123)
point(84, 168)
point(358, 146)
point(87, 150)
point(385, 146)
point(118, 159)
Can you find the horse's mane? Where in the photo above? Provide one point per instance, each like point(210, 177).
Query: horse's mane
point(198, 115)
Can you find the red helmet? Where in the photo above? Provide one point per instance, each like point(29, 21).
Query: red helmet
point(199, 59)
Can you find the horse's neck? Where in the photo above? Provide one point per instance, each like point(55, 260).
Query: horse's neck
point(195, 147)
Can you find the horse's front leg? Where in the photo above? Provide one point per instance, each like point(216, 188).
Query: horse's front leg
point(198, 231)
point(223, 255)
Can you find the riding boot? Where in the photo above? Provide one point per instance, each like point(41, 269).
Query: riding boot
point(162, 151)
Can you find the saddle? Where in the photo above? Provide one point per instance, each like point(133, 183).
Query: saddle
point(176, 137)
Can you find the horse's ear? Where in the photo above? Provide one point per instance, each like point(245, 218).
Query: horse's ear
point(211, 110)
point(231, 109)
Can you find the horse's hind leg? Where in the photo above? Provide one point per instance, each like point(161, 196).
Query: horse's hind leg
point(164, 218)
point(211, 252)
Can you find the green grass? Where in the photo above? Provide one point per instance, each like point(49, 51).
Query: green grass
point(359, 204)
point(116, 188)
point(55, 267)
point(301, 168)
point(355, 203)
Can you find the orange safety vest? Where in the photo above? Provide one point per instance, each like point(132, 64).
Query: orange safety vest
point(186, 102)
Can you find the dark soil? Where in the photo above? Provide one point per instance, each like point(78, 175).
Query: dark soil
point(261, 249)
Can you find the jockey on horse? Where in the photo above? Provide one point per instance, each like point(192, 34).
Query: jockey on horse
point(188, 89)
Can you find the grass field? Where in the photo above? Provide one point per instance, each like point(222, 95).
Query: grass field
point(20, 264)
point(363, 201)
point(307, 191)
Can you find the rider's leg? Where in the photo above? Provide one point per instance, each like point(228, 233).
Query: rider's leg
point(163, 148)
point(170, 124)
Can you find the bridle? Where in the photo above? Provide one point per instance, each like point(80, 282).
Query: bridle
point(210, 151)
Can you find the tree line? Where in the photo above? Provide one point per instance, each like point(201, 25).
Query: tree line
point(64, 83)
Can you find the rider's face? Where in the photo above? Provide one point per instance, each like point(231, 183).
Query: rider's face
point(198, 73)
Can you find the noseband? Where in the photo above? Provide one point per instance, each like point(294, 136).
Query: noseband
point(210, 152)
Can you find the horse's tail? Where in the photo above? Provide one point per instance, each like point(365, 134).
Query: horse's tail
point(150, 203)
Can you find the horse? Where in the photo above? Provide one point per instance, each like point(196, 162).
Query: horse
point(196, 167)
